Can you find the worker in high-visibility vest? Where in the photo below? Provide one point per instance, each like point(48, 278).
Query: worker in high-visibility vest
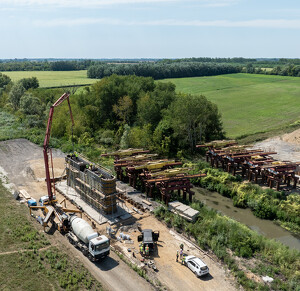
point(141, 248)
point(183, 260)
point(147, 250)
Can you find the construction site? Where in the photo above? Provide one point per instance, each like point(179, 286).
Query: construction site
point(100, 217)
point(122, 227)
point(103, 215)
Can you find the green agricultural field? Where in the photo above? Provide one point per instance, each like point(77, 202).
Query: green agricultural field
point(248, 103)
point(54, 78)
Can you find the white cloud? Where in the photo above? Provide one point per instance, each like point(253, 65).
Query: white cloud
point(100, 3)
point(256, 23)
point(76, 3)
point(219, 3)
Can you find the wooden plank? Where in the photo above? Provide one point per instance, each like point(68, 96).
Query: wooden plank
point(175, 178)
point(24, 193)
point(147, 202)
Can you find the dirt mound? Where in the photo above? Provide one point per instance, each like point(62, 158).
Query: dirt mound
point(287, 146)
point(293, 137)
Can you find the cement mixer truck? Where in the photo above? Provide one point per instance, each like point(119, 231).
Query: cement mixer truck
point(82, 236)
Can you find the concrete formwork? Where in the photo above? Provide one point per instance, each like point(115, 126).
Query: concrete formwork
point(95, 185)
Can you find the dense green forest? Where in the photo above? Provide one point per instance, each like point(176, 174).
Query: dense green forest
point(27, 65)
point(120, 111)
point(162, 70)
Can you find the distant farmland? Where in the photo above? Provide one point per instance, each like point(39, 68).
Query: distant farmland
point(54, 78)
point(248, 103)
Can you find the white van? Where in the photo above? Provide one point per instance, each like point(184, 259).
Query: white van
point(198, 267)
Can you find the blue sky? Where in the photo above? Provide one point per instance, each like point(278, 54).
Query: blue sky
point(149, 28)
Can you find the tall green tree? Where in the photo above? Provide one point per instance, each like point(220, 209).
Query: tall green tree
point(4, 80)
point(28, 83)
point(123, 109)
point(31, 105)
point(15, 95)
point(193, 119)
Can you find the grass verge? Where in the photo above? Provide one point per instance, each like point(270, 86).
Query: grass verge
point(28, 262)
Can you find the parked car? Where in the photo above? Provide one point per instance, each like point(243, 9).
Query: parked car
point(197, 266)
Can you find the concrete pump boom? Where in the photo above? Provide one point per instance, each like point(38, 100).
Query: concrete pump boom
point(47, 149)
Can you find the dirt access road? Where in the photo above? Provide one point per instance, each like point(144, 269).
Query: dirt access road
point(22, 163)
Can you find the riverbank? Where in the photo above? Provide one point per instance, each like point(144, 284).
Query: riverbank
point(268, 228)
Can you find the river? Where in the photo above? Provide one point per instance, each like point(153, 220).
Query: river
point(265, 227)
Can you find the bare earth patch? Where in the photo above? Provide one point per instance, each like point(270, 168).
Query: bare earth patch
point(287, 146)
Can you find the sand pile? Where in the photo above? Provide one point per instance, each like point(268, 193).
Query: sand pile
point(293, 137)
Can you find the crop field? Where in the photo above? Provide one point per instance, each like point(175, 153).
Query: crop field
point(54, 78)
point(248, 103)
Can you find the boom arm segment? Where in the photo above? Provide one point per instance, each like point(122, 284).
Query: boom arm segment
point(64, 97)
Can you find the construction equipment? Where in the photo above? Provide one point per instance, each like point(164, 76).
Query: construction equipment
point(50, 207)
point(149, 237)
point(47, 149)
point(88, 241)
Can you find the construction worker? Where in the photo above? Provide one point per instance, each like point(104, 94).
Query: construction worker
point(177, 255)
point(147, 250)
point(141, 248)
point(183, 260)
point(181, 253)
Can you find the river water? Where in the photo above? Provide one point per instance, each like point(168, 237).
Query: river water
point(265, 227)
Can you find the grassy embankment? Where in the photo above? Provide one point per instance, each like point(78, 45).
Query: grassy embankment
point(54, 78)
point(28, 261)
point(259, 105)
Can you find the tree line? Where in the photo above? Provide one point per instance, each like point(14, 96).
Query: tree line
point(163, 70)
point(46, 65)
point(284, 70)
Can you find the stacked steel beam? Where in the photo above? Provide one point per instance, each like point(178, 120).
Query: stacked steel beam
point(160, 175)
point(257, 164)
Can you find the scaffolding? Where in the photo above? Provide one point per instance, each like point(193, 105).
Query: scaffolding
point(95, 185)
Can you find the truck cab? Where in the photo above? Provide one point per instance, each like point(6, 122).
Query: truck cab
point(99, 247)
point(45, 199)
